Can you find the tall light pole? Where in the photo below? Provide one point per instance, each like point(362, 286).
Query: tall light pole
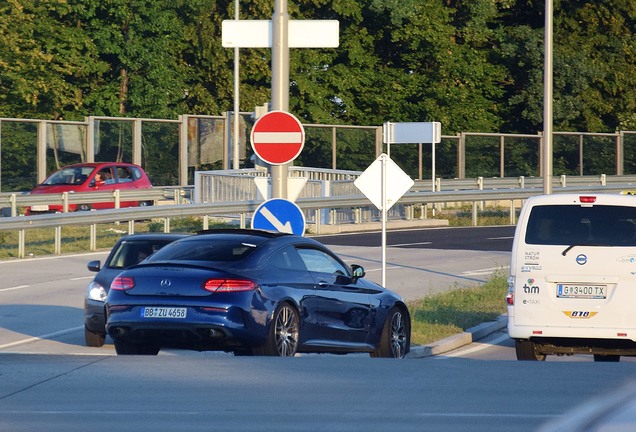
point(547, 100)
point(236, 140)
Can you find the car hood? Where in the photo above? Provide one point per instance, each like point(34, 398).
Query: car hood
point(45, 189)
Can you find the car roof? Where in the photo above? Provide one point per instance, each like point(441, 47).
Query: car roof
point(97, 164)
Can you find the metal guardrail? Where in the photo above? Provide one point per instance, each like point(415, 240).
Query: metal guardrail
point(242, 210)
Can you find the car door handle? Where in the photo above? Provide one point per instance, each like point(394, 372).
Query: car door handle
point(323, 284)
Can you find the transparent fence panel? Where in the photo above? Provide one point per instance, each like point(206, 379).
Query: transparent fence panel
point(18, 156)
point(160, 152)
point(113, 141)
point(629, 153)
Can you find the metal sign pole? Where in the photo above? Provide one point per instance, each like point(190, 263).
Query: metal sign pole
point(384, 204)
point(280, 85)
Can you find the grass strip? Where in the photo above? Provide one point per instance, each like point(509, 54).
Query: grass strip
point(438, 316)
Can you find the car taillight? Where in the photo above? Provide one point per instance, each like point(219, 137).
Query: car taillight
point(587, 199)
point(228, 285)
point(122, 283)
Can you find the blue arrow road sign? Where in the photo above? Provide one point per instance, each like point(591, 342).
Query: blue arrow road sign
point(281, 215)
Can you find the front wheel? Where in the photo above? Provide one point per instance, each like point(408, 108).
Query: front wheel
point(396, 335)
point(283, 335)
point(526, 350)
point(93, 339)
point(126, 348)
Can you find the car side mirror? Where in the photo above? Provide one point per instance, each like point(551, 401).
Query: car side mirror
point(94, 266)
point(357, 272)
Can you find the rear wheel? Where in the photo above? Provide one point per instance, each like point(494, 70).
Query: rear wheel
point(526, 350)
point(395, 339)
point(93, 339)
point(284, 332)
point(606, 358)
point(126, 348)
point(83, 207)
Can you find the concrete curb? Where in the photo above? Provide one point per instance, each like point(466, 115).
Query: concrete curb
point(456, 341)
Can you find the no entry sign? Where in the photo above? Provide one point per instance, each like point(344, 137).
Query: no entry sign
point(277, 137)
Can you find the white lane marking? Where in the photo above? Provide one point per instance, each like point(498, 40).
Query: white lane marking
point(479, 346)
point(21, 260)
point(485, 271)
point(409, 244)
point(45, 336)
point(14, 288)
point(499, 238)
point(82, 278)
point(379, 269)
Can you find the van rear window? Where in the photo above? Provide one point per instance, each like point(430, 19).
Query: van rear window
point(598, 225)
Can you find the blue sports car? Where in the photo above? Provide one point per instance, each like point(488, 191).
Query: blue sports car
point(253, 292)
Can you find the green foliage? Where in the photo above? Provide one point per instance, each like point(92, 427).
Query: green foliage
point(473, 65)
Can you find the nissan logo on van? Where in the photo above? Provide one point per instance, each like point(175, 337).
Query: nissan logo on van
point(581, 259)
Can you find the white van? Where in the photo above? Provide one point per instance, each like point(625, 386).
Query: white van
point(572, 284)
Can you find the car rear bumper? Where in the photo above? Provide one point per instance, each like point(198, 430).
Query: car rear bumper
point(202, 330)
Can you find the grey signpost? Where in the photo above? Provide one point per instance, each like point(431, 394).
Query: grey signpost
point(280, 34)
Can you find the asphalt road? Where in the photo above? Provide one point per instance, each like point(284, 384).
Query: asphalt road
point(49, 381)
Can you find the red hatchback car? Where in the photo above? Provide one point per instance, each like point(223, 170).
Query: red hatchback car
point(91, 177)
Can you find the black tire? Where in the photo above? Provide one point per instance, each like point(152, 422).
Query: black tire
point(395, 340)
point(606, 358)
point(526, 350)
point(84, 207)
point(284, 333)
point(93, 339)
point(126, 348)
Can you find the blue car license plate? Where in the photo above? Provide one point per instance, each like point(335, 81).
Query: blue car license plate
point(164, 312)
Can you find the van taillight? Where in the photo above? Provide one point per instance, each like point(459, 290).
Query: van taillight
point(510, 299)
point(587, 199)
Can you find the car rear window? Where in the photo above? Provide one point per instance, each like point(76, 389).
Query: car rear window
point(220, 249)
point(601, 225)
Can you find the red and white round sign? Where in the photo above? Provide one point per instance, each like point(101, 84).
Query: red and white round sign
point(277, 137)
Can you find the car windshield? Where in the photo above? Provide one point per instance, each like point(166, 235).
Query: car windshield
point(69, 176)
point(205, 249)
point(598, 225)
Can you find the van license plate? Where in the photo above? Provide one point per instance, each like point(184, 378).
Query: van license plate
point(163, 312)
point(582, 291)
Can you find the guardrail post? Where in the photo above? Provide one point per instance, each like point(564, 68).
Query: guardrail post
point(563, 181)
point(21, 243)
point(93, 237)
point(513, 215)
point(116, 198)
point(131, 226)
point(474, 214)
point(242, 220)
point(58, 240)
point(522, 182)
point(317, 220)
point(603, 180)
point(14, 207)
point(206, 222)
point(166, 225)
point(65, 202)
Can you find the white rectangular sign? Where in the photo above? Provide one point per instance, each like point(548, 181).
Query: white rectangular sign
point(412, 133)
point(302, 33)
